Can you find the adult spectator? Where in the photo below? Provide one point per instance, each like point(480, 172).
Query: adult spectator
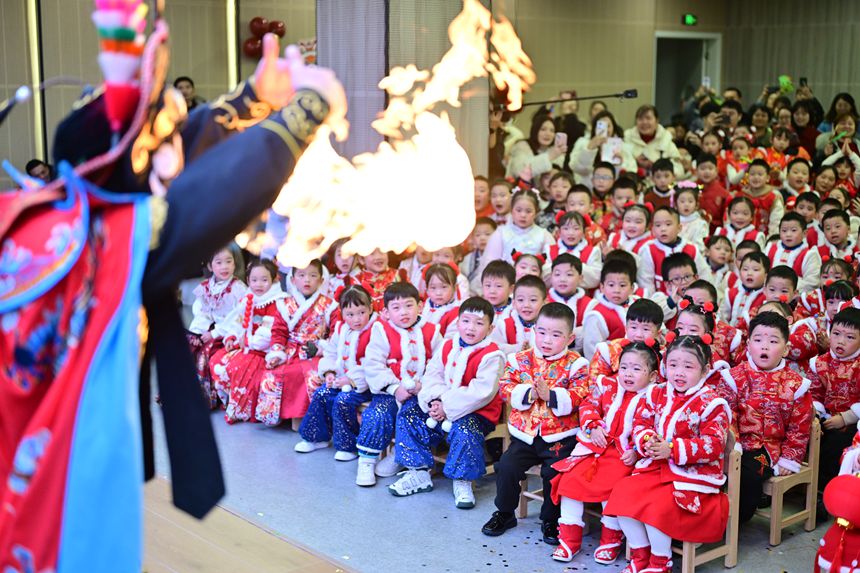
point(760, 116)
point(801, 122)
point(845, 127)
point(604, 147)
point(731, 113)
point(185, 85)
point(842, 103)
point(532, 157)
point(734, 94)
point(816, 110)
point(38, 169)
point(650, 141)
point(565, 113)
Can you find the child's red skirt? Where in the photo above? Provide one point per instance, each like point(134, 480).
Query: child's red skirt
point(591, 479)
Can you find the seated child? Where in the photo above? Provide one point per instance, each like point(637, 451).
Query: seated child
point(500, 198)
point(516, 331)
point(497, 284)
point(796, 179)
point(442, 305)
point(605, 319)
point(806, 205)
point(718, 255)
point(344, 270)
point(634, 233)
point(308, 314)
point(769, 206)
point(412, 266)
point(733, 277)
point(694, 228)
point(580, 200)
point(835, 390)
point(838, 244)
point(623, 193)
point(771, 410)
point(459, 402)
point(728, 342)
point(602, 183)
point(214, 298)
point(812, 303)
point(742, 301)
point(667, 240)
point(526, 264)
point(522, 235)
point(837, 296)
point(643, 321)
point(700, 320)
point(565, 279)
point(544, 386)
point(338, 386)
point(674, 491)
point(604, 453)
point(449, 256)
point(714, 198)
point(781, 285)
point(559, 186)
point(679, 272)
point(255, 343)
point(793, 251)
point(394, 364)
point(741, 227)
point(571, 239)
point(377, 275)
point(484, 227)
point(738, 162)
point(802, 340)
point(662, 194)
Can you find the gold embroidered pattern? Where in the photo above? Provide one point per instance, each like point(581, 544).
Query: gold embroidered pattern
point(231, 119)
point(299, 127)
point(157, 218)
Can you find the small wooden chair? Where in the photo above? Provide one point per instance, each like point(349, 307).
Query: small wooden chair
point(777, 486)
point(690, 553)
point(526, 495)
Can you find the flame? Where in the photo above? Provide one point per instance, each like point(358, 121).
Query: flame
point(416, 188)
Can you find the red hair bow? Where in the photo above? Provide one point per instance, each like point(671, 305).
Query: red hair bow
point(685, 302)
point(783, 298)
point(558, 217)
point(338, 292)
point(541, 258)
point(629, 204)
point(707, 339)
point(671, 336)
point(825, 258)
point(650, 206)
point(708, 306)
point(650, 342)
point(515, 255)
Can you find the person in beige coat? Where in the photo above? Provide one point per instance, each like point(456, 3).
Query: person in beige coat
point(649, 141)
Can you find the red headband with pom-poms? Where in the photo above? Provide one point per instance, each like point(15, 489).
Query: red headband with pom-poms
point(650, 206)
point(558, 217)
point(828, 282)
point(685, 302)
point(515, 255)
point(707, 339)
point(671, 336)
point(629, 204)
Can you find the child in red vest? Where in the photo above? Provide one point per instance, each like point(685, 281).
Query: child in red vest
point(497, 285)
point(812, 304)
point(838, 242)
point(605, 319)
point(544, 386)
point(623, 193)
point(394, 364)
point(571, 239)
point(643, 321)
point(580, 200)
point(740, 226)
point(565, 279)
point(338, 386)
point(516, 331)
point(667, 240)
point(634, 234)
point(836, 390)
point(769, 206)
point(807, 205)
point(662, 194)
point(604, 453)
point(728, 342)
point(377, 275)
point(792, 250)
point(718, 255)
point(442, 305)
point(742, 301)
point(771, 410)
point(679, 430)
point(714, 197)
point(459, 402)
point(526, 264)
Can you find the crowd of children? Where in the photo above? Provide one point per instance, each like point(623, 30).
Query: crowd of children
point(621, 328)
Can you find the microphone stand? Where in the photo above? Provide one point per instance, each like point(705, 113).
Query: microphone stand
point(626, 94)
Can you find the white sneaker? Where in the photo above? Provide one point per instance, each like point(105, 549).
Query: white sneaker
point(305, 447)
point(364, 476)
point(413, 481)
point(342, 456)
point(464, 498)
point(387, 467)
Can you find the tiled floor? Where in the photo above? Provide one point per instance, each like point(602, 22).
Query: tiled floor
point(311, 499)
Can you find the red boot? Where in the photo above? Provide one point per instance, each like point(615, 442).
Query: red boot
point(639, 558)
point(610, 546)
point(659, 564)
point(570, 542)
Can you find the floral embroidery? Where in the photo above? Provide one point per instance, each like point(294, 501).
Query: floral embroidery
point(26, 462)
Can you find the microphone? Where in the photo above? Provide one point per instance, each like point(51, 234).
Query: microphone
point(630, 94)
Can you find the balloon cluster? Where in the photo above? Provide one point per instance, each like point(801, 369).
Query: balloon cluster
point(259, 26)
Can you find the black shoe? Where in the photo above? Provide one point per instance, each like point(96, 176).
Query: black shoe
point(499, 523)
point(549, 529)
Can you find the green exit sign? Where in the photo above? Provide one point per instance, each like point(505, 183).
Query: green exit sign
point(689, 19)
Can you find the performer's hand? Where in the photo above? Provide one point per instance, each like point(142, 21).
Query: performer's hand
point(416, 389)
point(629, 457)
point(324, 82)
point(272, 78)
point(206, 337)
point(598, 436)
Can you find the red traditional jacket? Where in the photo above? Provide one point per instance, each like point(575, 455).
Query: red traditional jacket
point(445, 316)
point(811, 304)
point(743, 305)
point(308, 321)
point(797, 257)
point(611, 222)
point(728, 345)
point(660, 199)
point(553, 420)
point(654, 253)
point(763, 206)
point(578, 302)
point(836, 385)
point(771, 410)
point(619, 240)
point(696, 422)
point(595, 234)
point(802, 345)
point(376, 283)
point(737, 236)
point(512, 334)
point(395, 353)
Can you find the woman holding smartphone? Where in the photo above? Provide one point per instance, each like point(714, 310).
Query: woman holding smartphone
point(532, 157)
point(605, 145)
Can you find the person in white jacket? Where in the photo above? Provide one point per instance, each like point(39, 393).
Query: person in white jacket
point(649, 141)
point(530, 158)
point(459, 401)
point(605, 141)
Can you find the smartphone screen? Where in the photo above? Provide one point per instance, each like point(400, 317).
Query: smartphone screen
point(602, 128)
point(560, 139)
point(706, 82)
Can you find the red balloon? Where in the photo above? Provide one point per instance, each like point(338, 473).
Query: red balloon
point(278, 28)
point(253, 47)
point(259, 26)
